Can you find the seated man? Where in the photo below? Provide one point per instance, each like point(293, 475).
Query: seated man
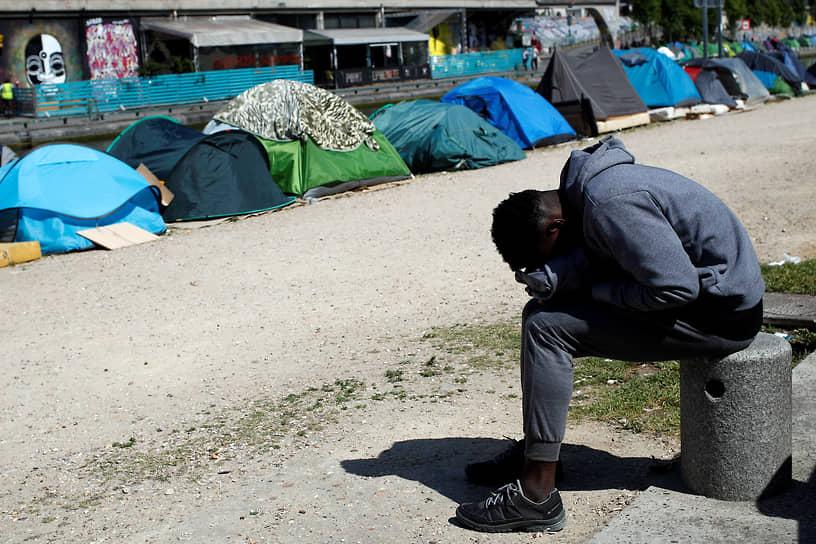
point(623, 261)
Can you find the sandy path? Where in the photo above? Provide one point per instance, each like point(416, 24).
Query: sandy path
point(102, 346)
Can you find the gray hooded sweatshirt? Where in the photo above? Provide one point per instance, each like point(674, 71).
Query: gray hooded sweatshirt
point(653, 239)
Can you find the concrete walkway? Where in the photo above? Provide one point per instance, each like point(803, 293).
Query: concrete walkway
point(666, 512)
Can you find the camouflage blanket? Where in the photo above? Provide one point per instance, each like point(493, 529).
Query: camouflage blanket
point(284, 110)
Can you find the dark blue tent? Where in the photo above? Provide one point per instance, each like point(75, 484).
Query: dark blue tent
point(515, 109)
point(658, 80)
point(431, 136)
point(790, 59)
point(57, 190)
point(770, 70)
point(210, 175)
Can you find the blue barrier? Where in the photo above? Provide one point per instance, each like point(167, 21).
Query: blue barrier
point(477, 63)
point(105, 95)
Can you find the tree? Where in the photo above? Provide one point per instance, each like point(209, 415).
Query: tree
point(647, 12)
point(736, 11)
point(680, 20)
point(800, 13)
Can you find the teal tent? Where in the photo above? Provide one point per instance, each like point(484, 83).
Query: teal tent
point(658, 80)
point(433, 136)
point(210, 175)
point(57, 190)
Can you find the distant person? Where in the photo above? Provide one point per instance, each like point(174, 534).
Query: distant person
point(534, 58)
point(622, 261)
point(7, 97)
point(525, 59)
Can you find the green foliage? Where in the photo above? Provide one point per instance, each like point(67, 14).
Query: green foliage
point(795, 278)
point(679, 20)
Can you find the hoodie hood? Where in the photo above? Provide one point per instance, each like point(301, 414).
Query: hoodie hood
point(587, 163)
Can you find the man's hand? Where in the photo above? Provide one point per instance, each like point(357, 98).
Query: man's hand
point(567, 273)
point(538, 283)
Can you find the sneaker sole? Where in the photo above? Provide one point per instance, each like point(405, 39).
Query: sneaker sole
point(526, 525)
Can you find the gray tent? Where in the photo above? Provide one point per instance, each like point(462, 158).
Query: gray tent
point(594, 95)
point(737, 79)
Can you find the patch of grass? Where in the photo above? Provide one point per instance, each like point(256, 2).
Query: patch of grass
point(793, 278)
point(638, 397)
point(487, 346)
point(802, 341)
point(429, 368)
point(128, 444)
point(258, 427)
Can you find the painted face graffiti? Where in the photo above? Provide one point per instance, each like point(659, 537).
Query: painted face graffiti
point(44, 60)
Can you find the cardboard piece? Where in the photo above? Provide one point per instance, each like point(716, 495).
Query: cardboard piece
point(166, 194)
point(19, 252)
point(118, 235)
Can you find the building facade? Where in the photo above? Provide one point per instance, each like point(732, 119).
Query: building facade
point(57, 41)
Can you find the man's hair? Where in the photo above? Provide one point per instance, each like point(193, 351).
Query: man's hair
point(516, 224)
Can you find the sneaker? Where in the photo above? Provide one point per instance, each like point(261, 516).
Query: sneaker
point(505, 467)
point(508, 509)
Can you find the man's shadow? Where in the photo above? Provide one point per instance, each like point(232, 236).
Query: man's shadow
point(439, 464)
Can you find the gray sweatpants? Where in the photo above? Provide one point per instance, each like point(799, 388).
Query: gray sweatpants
point(554, 332)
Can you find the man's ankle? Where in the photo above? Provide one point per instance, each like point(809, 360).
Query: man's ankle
point(535, 494)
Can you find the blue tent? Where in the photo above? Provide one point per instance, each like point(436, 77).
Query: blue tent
point(658, 80)
point(57, 190)
point(515, 109)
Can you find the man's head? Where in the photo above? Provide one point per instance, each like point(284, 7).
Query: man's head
point(526, 227)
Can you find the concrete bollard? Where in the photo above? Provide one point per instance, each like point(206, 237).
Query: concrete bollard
point(735, 422)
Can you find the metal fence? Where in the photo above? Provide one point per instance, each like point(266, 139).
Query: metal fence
point(105, 95)
point(472, 64)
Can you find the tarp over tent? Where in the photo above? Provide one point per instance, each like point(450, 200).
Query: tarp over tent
point(739, 81)
point(776, 77)
point(658, 80)
point(317, 143)
point(433, 136)
point(515, 109)
point(789, 58)
point(210, 176)
point(599, 80)
point(57, 190)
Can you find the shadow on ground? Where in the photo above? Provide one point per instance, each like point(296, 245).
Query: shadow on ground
point(798, 504)
point(439, 464)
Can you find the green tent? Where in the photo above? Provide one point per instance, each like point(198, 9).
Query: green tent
point(433, 136)
point(317, 143)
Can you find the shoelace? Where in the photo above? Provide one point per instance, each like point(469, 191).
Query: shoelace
point(502, 494)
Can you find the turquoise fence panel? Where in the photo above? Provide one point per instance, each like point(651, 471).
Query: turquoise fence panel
point(104, 95)
point(474, 64)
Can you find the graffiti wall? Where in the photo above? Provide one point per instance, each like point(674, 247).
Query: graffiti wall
point(112, 49)
point(41, 51)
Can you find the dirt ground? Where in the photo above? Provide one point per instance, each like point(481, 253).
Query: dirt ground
point(145, 390)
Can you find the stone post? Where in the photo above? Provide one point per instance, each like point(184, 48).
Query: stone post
point(735, 422)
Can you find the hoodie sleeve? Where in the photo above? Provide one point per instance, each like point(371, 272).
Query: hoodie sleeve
point(632, 231)
point(559, 275)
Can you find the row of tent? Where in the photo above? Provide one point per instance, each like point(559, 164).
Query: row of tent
point(265, 148)
point(773, 60)
point(286, 139)
point(684, 51)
